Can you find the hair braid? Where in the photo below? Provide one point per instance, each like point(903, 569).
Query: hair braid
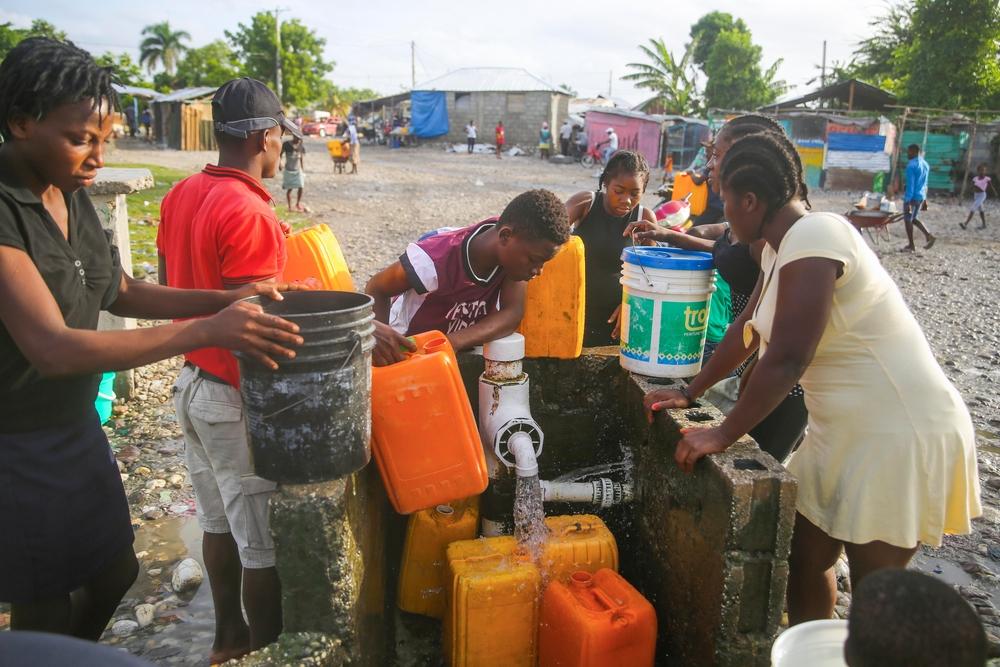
point(763, 164)
point(748, 124)
point(41, 74)
point(625, 162)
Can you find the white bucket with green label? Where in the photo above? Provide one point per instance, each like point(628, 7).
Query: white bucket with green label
point(665, 302)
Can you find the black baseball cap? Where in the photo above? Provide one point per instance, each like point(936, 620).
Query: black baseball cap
point(246, 105)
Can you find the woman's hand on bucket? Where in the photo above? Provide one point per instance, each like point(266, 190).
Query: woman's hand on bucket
point(390, 345)
point(664, 399)
point(245, 327)
point(646, 232)
point(696, 443)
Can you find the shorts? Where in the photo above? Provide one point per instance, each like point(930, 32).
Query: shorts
point(229, 497)
point(978, 199)
point(911, 209)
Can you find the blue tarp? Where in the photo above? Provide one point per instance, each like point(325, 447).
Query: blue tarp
point(861, 143)
point(428, 113)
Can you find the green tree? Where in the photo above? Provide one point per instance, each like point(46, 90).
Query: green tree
point(11, 36)
point(706, 31)
point(128, 71)
point(878, 58)
point(340, 100)
point(673, 81)
point(735, 77)
point(303, 66)
point(162, 46)
point(951, 62)
point(209, 65)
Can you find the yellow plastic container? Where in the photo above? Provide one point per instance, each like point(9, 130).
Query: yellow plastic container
point(580, 542)
point(493, 605)
point(423, 574)
point(315, 253)
point(699, 193)
point(552, 325)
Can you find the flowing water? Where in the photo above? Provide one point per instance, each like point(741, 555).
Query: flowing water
point(529, 517)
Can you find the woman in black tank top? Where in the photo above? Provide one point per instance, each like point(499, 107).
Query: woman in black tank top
point(601, 219)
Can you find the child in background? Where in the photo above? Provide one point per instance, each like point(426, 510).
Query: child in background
point(601, 219)
point(499, 137)
point(545, 141)
point(915, 199)
point(980, 183)
point(470, 282)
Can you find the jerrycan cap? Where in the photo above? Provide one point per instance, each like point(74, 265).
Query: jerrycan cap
point(581, 579)
point(508, 348)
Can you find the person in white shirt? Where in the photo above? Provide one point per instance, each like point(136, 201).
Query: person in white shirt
point(612, 144)
point(470, 134)
point(565, 134)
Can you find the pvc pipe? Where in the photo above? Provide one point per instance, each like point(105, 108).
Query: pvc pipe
point(523, 449)
point(602, 492)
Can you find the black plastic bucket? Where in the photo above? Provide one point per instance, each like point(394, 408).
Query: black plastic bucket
point(310, 420)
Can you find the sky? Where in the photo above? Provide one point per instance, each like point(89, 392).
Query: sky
point(582, 44)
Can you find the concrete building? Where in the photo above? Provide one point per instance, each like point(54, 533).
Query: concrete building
point(488, 94)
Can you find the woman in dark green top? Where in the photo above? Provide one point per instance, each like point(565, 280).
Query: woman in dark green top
point(66, 554)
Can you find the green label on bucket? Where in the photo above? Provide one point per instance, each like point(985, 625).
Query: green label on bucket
point(682, 332)
point(637, 327)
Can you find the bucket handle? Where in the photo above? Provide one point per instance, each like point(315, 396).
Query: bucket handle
point(357, 343)
point(638, 260)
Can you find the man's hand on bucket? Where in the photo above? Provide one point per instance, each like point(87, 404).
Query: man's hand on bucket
point(273, 289)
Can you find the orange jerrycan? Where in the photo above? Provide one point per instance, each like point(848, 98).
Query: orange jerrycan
point(315, 253)
point(596, 620)
point(552, 325)
point(492, 609)
point(577, 542)
point(425, 439)
point(699, 197)
point(423, 574)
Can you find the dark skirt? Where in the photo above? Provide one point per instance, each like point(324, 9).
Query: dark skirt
point(63, 512)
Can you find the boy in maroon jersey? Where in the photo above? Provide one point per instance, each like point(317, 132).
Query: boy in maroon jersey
point(470, 282)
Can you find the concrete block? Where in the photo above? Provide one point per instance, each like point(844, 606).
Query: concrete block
point(303, 649)
point(718, 540)
point(330, 540)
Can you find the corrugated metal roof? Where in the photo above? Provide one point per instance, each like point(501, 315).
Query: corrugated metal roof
point(185, 94)
point(137, 91)
point(489, 79)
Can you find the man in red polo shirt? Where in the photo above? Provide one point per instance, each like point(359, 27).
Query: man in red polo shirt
point(218, 230)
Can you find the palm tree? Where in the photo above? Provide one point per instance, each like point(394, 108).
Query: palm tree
point(673, 81)
point(162, 46)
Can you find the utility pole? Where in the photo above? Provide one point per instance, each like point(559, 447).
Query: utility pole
point(413, 65)
point(277, 48)
point(610, 74)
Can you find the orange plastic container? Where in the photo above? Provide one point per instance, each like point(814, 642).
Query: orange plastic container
point(577, 542)
point(315, 253)
point(424, 437)
point(552, 325)
point(423, 575)
point(596, 620)
point(683, 185)
point(493, 603)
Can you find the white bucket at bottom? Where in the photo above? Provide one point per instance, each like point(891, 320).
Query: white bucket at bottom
point(811, 644)
point(664, 320)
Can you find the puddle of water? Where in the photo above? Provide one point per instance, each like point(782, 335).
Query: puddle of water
point(168, 541)
point(952, 574)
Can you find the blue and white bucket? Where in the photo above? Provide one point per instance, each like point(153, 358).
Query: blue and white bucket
point(665, 302)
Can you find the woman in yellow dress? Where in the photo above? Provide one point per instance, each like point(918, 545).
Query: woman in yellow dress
point(888, 461)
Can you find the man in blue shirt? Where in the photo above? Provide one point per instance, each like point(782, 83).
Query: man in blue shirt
point(915, 197)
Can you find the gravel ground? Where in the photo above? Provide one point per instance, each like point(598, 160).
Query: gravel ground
point(400, 194)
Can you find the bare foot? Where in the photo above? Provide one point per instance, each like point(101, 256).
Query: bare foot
point(908, 248)
point(930, 242)
point(227, 648)
point(219, 657)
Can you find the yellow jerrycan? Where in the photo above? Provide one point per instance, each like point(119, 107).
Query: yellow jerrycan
point(552, 325)
point(579, 542)
point(423, 575)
